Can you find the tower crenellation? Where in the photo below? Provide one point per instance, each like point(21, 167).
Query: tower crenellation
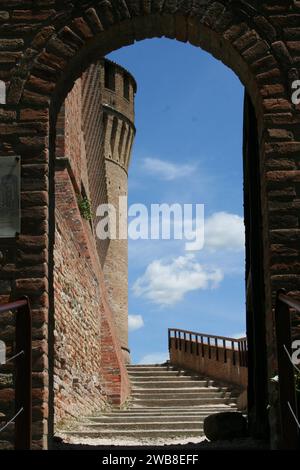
point(119, 88)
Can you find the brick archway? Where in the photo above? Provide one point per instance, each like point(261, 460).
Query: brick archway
point(48, 51)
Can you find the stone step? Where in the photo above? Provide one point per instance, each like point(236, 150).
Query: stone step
point(160, 372)
point(150, 367)
point(165, 403)
point(137, 384)
point(188, 392)
point(153, 418)
point(180, 396)
point(181, 402)
point(202, 407)
point(136, 434)
point(141, 413)
point(168, 378)
point(143, 426)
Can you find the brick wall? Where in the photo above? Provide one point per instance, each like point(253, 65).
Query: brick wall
point(78, 384)
point(88, 372)
point(93, 133)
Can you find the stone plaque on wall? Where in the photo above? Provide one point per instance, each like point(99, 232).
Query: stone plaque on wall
point(10, 220)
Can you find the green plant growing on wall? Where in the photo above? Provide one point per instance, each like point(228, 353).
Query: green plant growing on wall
point(85, 208)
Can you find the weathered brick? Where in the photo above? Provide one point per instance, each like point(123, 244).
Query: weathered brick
point(283, 148)
point(285, 176)
point(280, 134)
point(254, 53)
point(277, 104)
point(9, 57)
point(265, 27)
point(82, 28)
point(32, 15)
point(30, 114)
point(31, 98)
point(282, 53)
point(40, 85)
point(272, 90)
point(30, 242)
point(32, 258)
point(94, 21)
point(11, 44)
point(42, 37)
point(246, 41)
point(34, 199)
point(7, 116)
point(272, 76)
point(32, 286)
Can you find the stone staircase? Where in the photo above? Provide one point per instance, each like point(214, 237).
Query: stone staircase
point(166, 404)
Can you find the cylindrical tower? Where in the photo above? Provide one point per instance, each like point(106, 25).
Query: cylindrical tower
point(119, 88)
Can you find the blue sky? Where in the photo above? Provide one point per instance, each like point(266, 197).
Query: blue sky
point(188, 149)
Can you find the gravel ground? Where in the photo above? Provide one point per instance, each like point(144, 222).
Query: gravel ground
point(66, 443)
point(67, 440)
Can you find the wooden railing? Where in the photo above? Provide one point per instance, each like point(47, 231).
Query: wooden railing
point(23, 373)
point(287, 371)
point(202, 344)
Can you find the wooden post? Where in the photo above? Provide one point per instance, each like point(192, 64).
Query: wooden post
point(233, 353)
point(217, 349)
point(225, 351)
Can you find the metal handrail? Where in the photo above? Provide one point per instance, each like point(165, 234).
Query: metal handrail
point(23, 372)
point(289, 416)
point(13, 305)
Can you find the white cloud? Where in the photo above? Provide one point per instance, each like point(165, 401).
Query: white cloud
point(166, 283)
point(239, 335)
point(135, 322)
point(155, 358)
point(224, 231)
point(166, 170)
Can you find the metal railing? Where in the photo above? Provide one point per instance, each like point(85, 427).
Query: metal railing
point(23, 372)
point(289, 416)
point(205, 345)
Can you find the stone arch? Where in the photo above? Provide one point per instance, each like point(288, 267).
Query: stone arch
point(246, 36)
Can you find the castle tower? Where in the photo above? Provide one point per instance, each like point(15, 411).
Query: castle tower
point(118, 89)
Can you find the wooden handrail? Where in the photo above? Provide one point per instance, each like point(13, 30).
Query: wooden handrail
point(23, 372)
point(195, 333)
point(210, 343)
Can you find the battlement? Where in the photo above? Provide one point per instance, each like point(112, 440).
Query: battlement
point(119, 88)
point(118, 93)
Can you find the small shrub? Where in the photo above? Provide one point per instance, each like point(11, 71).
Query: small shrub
point(85, 208)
